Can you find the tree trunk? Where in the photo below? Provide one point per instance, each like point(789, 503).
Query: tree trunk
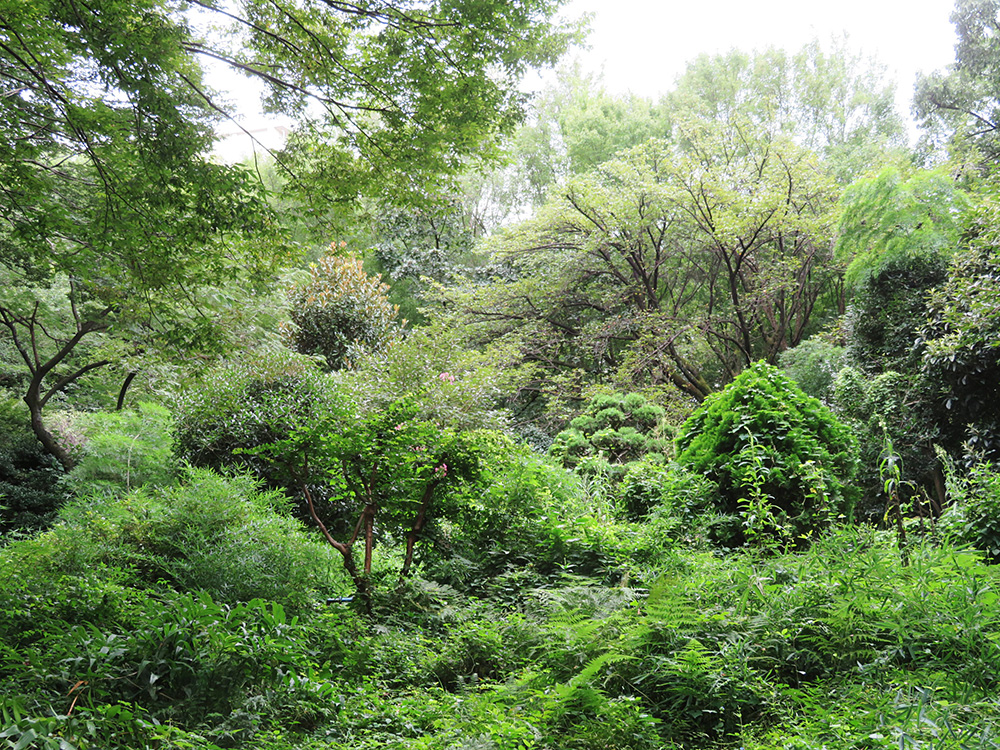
point(46, 438)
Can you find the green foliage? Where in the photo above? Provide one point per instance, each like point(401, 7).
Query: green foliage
point(958, 107)
point(448, 382)
point(616, 427)
point(245, 403)
point(890, 221)
point(813, 365)
point(211, 533)
point(962, 341)
point(889, 406)
point(830, 98)
point(29, 490)
point(973, 517)
point(783, 462)
point(122, 450)
point(341, 313)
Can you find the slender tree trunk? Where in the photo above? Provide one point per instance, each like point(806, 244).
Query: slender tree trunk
point(418, 526)
point(346, 551)
point(121, 394)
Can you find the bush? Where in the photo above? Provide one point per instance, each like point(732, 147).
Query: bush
point(616, 427)
point(813, 365)
point(891, 409)
point(29, 477)
point(208, 533)
point(123, 450)
point(974, 515)
point(246, 403)
point(781, 459)
point(342, 313)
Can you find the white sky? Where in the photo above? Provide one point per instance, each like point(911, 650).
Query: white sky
point(643, 45)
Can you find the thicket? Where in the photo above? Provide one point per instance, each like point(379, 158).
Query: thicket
point(782, 461)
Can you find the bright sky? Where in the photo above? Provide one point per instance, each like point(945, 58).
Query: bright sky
point(643, 45)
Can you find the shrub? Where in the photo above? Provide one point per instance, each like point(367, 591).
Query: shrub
point(123, 450)
point(342, 312)
point(781, 459)
point(974, 515)
point(246, 403)
point(617, 427)
point(208, 533)
point(813, 365)
point(889, 409)
point(29, 477)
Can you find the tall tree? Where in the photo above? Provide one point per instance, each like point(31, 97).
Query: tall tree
point(668, 265)
point(831, 100)
point(961, 105)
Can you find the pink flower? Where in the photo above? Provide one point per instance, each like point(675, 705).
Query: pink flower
point(447, 377)
point(441, 471)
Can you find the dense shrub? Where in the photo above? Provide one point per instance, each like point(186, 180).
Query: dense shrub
point(814, 365)
point(889, 411)
point(962, 344)
point(342, 312)
point(245, 403)
point(209, 533)
point(781, 459)
point(29, 478)
point(615, 427)
point(973, 517)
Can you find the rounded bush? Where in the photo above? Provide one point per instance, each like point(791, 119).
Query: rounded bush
point(781, 458)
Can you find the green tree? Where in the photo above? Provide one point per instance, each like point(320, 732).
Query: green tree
point(113, 221)
point(616, 427)
point(390, 95)
point(831, 100)
point(110, 203)
point(668, 265)
point(960, 106)
point(961, 342)
point(386, 468)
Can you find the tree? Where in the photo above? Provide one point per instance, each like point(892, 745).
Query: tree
point(961, 342)
point(831, 101)
point(961, 105)
point(116, 228)
point(668, 265)
point(391, 95)
point(386, 468)
point(112, 219)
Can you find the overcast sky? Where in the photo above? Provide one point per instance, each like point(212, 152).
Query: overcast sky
point(643, 45)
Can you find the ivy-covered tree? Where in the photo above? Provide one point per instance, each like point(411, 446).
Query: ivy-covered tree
point(783, 462)
point(342, 312)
